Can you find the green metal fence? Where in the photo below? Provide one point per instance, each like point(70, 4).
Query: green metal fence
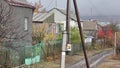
point(33, 54)
point(22, 53)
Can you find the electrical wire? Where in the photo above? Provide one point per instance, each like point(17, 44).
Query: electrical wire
point(99, 12)
point(51, 2)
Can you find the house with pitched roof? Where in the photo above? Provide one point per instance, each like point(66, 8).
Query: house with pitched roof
point(21, 17)
point(90, 28)
point(55, 15)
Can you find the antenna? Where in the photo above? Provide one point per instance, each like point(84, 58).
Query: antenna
point(91, 13)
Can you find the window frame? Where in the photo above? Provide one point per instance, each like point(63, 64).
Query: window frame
point(26, 21)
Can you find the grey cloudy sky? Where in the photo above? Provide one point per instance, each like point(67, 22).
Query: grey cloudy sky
point(97, 7)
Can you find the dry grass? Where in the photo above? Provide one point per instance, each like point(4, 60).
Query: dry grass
point(110, 62)
point(116, 57)
point(69, 60)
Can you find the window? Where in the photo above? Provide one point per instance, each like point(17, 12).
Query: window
point(26, 24)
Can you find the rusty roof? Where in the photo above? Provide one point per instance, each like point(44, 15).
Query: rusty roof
point(19, 4)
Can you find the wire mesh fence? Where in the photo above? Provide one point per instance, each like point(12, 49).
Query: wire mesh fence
point(18, 55)
point(23, 53)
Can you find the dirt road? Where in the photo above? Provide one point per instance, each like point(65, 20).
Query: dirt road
point(110, 62)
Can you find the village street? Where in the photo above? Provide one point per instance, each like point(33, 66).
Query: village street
point(110, 62)
point(59, 34)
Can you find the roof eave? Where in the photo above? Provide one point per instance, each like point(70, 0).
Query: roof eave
point(18, 4)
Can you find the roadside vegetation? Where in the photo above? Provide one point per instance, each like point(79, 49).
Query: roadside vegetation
point(76, 55)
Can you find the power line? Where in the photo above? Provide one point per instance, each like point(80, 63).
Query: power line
point(49, 4)
point(56, 4)
point(94, 8)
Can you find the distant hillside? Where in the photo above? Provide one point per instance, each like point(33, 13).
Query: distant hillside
point(103, 18)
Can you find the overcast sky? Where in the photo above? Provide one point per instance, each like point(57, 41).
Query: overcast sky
point(86, 7)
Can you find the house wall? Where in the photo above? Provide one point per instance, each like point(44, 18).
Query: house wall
point(50, 19)
point(19, 15)
point(61, 18)
point(17, 20)
point(72, 23)
point(90, 28)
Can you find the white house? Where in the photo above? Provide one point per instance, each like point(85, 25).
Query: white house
point(56, 15)
point(60, 17)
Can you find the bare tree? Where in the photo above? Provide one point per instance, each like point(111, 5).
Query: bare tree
point(5, 15)
point(9, 32)
point(114, 27)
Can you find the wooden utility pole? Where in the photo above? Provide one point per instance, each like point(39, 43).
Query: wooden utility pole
point(81, 33)
point(66, 39)
point(68, 21)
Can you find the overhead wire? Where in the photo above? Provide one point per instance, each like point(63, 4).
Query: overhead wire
point(49, 4)
point(98, 11)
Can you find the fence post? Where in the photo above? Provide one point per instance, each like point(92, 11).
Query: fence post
point(115, 46)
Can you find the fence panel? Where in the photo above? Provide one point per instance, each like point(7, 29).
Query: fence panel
point(21, 53)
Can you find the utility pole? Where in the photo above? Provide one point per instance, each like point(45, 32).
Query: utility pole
point(65, 35)
point(115, 46)
point(68, 21)
point(80, 31)
point(63, 53)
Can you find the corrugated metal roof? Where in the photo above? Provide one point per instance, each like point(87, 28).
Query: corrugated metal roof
point(39, 16)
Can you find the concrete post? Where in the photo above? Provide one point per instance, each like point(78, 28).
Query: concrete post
point(115, 46)
point(63, 53)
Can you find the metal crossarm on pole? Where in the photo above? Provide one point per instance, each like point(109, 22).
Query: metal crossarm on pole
point(80, 31)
